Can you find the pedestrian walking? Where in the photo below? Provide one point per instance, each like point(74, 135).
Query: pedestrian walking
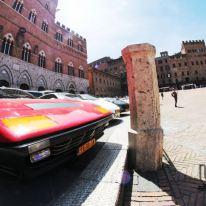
point(174, 95)
point(162, 95)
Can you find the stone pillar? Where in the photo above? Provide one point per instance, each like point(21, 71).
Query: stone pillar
point(146, 135)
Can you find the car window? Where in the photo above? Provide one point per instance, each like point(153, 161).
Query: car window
point(14, 93)
point(49, 96)
point(36, 94)
point(23, 94)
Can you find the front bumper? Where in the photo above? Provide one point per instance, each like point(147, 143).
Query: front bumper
point(15, 159)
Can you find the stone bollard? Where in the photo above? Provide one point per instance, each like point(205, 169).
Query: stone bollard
point(146, 135)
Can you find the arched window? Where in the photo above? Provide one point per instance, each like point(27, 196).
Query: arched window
point(70, 42)
point(72, 89)
point(80, 48)
point(18, 5)
point(71, 69)
point(58, 65)
point(26, 52)
point(42, 59)
point(7, 44)
point(59, 36)
point(32, 16)
point(47, 6)
point(81, 72)
point(44, 26)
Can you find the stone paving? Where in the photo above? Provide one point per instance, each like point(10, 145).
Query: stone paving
point(182, 181)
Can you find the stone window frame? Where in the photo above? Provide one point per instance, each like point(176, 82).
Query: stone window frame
point(80, 47)
point(59, 36)
point(32, 16)
point(58, 65)
point(81, 72)
point(26, 52)
point(7, 45)
point(45, 26)
point(18, 5)
point(70, 42)
point(47, 6)
point(71, 70)
point(42, 59)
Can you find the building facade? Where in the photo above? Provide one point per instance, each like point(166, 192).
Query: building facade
point(37, 53)
point(103, 84)
point(115, 67)
point(186, 67)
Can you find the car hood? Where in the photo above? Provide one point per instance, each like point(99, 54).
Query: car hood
point(27, 119)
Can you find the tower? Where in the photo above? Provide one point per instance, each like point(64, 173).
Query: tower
point(51, 5)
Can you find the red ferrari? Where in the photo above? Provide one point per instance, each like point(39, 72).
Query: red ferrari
point(36, 135)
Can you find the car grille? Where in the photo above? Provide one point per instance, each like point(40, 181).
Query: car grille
point(66, 146)
point(99, 130)
point(74, 142)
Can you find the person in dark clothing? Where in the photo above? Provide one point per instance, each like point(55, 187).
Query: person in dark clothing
point(174, 95)
point(162, 95)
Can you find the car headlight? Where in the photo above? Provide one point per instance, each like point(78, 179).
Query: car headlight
point(39, 151)
point(38, 146)
point(38, 156)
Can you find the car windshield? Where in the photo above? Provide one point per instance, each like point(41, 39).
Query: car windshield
point(88, 97)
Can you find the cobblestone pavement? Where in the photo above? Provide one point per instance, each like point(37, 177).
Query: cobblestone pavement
point(182, 181)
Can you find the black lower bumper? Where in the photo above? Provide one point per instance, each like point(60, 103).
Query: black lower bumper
point(15, 159)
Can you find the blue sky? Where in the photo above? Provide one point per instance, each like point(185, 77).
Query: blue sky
point(110, 25)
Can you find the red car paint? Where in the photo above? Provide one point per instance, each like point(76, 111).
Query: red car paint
point(76, 114)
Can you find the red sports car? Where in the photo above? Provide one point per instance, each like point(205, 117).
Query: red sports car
point(36, 135)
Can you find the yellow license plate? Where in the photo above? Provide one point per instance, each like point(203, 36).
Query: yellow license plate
point(86, 146)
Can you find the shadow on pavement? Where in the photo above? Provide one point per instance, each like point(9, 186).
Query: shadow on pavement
point(180, 107)
point(125, 114)
point(184, 190)
point(114, 122)
point(64, 185)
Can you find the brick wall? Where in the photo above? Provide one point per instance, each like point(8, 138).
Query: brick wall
point(39, 40)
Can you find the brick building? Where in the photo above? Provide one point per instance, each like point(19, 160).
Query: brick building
point(103, 84)
point(37, 53)
point(115, 67)
point(187, 66)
